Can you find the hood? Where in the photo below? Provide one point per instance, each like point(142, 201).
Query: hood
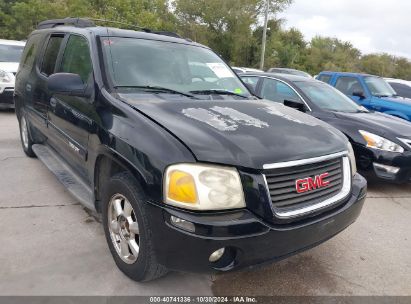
point(9, 66)
point(244, 133)
point(397, 99)
point(378, 123)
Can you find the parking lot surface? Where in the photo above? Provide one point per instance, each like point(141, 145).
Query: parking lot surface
point(50, 245)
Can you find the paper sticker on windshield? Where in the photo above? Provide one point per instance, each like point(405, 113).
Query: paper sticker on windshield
point(220, 70)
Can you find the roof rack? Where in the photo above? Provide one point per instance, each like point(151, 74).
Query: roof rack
point(89, 22)
point(77, 22)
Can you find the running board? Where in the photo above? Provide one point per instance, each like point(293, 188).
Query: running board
point(65, 175)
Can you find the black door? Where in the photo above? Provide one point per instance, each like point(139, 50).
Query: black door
point(70, 117)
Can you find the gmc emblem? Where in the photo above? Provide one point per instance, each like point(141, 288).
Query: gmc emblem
point(311, 183)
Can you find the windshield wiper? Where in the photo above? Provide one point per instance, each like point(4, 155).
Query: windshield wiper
point(159, 89)
point(217, 91)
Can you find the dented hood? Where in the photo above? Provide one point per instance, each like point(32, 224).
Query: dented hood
point(247, 133)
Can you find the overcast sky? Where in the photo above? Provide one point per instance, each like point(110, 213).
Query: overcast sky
point(370, 25)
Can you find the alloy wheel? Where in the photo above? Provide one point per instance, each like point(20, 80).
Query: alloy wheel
point(123, 228)
point(24, 133)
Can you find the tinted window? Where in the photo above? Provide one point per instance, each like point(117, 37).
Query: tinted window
point(278, 91)
point(349, 85)
point(252, 81)
point(324, 78)
point(76, 58)
point(50, 55)
point(10, 53)
point(29, 54)
point(401, 89)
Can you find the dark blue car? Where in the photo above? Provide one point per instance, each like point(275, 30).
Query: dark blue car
point(370, 91)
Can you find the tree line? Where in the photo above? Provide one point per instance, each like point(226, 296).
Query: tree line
point(232, 28)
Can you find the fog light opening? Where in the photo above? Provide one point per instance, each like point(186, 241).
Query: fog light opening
point(386, 169)
point(223, 259)
point(216, 255)
point(182, 224)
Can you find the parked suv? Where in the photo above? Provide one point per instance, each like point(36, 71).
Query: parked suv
point(370, 91)
point(10, 53)
point(189, 171)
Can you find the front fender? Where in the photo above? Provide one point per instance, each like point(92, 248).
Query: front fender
point(136, 142)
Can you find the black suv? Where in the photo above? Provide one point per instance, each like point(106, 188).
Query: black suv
point(188, 170)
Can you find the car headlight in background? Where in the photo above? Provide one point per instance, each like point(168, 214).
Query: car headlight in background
point(380, 143)
point(203, 187)
point(351, 155)
point(6, 77)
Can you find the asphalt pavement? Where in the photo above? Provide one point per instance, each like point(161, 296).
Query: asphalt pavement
point(51, 245)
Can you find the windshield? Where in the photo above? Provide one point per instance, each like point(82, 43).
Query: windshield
point(327, 98)
point(138, 63)
point(10, 53)
point(379, 87)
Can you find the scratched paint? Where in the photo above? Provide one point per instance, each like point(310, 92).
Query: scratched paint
point(274, 111)
point(213, 119)
point(239, 117)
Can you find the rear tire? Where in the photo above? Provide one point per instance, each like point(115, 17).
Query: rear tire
point(25, 136)
point(127, 230)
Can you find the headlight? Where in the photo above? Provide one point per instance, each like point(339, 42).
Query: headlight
point(203, 187)
point(5, 76)
point(351, 155)
point(380, 143)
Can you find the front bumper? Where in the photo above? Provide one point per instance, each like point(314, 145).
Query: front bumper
point(372, 163)
point(248, 239)
point(6, 98)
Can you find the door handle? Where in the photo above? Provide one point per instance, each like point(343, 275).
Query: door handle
point(28, 87)
point(53, 102)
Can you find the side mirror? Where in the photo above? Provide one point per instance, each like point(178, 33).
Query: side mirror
point(67, 84)
point(359, 94)
point(298, 105)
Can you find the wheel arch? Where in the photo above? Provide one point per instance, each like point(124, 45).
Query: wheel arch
point(108, 163)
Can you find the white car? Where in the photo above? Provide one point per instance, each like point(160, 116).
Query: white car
point(10, 53)
point(401, 87)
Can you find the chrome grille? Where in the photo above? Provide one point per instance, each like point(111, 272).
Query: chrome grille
point(287, 202)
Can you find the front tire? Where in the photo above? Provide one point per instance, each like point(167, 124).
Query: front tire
point(25, 136)
point(127, 230)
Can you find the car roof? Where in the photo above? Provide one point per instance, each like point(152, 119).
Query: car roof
point(117, 32)
point(285, 69)
point(12, 42)
point(284, 77)
point(345, 73)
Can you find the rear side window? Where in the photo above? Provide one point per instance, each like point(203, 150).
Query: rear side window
point(50, 55)
point(29, 53)
point(278, 91)
point(76, 58)
point(324, 78)
point(349, 85)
